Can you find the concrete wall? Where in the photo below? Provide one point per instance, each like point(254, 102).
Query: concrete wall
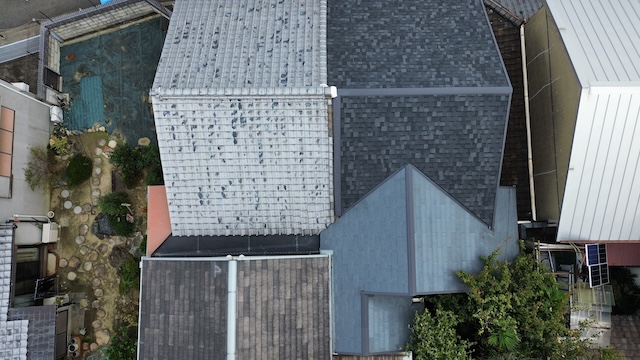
point(31, 128)
point(554, 93)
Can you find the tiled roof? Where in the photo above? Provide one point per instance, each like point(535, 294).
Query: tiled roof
point(13, 334)
point(242, 119)
point(456, 140)
point(42, 329)
point(282, 308)
point(411, 43)
point(247, 165)
point(244, 43)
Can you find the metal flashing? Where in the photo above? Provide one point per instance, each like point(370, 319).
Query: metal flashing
point(504, 143)
point(411, 243)
point(364, 318)
point(462, 90)
point(337, 172)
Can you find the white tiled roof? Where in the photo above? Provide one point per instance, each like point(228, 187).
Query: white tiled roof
point(601, 37)
point(246, 165)
point(244, 43)
point(13, 334)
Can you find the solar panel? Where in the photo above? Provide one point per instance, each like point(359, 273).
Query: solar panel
point(597, 263)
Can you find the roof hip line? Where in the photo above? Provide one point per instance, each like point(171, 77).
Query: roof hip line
point(463, 90)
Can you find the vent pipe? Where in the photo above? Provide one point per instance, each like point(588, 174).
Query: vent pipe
point(231, 309)
point(527, 116)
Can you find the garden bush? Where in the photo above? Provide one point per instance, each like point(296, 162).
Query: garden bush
point(42, 170)
point(78, 170)
point(111, 204)
point(132, 161)
point(121, 226)
point(129, 275)
point(123, 345)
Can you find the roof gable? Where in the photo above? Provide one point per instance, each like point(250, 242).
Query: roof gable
point(244, 44)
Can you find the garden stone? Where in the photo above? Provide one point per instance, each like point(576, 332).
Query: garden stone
point(102, 226)
point(95, 304)
point(84, 217)
point(63, 263)
point(65, 194)
point(97, 161)
point(102, 142)
point(101, 313)
point(113, 144)
point(87, 266)
point(77, 210)
point(86, 208)
point(84, 303)
point(96, 324)
point(96, 282)
point(102, 337)
point(68, 204)
point(74, 262)
point(95, 193)
point(85, 346)
point(144, 141)
point(93, 347)
point(111, 242)
point(95, 181)
point(119, 240)
point(98, 292)
point(84, 250)
point(103, 248)
point(99, 270)
point(84, 228)
point(93, 256)
point(98, 151)
point(80, 239)
point(97, 171)
point(118, 256)
point(72, 276)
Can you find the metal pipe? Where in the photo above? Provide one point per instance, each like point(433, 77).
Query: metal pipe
point(231, 309)
point(32, 218)
point(527, 116)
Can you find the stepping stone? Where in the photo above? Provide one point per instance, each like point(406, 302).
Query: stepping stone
point(93, 256)
point(96, 282)
point(77, 210)
point(80, 239)
point(95, 181)
point(97, 161)
point(74, 262)
point(85, 346)
point(95, 193)
point(101, 129)
point(103, 248)
point(68, 205)
point(95, 304)
point(86, 208)
point(87, 266)
point(84, 250)
point(84, 217)
point(93, 347)
point(84, 303)
point(97, 170)
point(98, 292)
point(144, 141)
point(65, 194)
point(111, 242)
point(99, 270)
point(119, 240)
point(113, 144)
point(101, 313)
point(102, 142)
point(83, 229)
point(63, 263)
point(98, 151)
point(72, 276)
point(96, 324)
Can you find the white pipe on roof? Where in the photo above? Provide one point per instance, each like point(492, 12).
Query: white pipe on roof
point(527, 116)
point(231, 309)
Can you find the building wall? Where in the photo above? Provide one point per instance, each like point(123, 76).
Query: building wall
point(31, 128)
point(369, 244)
point(554, 93)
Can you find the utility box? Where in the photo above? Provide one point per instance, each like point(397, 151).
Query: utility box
point(49, 232)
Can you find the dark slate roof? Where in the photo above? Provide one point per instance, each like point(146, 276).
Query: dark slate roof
point(283, 309)
point(42, 329)
point(410, 43)
point(183, 310)
point(456, 140)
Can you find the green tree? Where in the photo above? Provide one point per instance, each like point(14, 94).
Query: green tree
point(123, 345)
point(78, 170)
point(42, 169)
point(435, 337)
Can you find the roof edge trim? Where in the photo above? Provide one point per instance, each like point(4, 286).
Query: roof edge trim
point(238, 258)
point(462, 90)
point(252, 92)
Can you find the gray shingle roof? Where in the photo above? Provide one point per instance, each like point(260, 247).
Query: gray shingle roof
point(455, 140)
point(244, 43)
point(411, 43)
point(282, 308)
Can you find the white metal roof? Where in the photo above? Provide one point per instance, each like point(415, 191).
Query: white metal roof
point(246, 165)
point(13, 334)
point(244, 43)
point(601, 37)
point(602, 196)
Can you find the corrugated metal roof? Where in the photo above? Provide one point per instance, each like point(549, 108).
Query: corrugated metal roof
point(601, 195)
point(246, 165)
point(13, 334)
point(602, 38)
point(244, 43)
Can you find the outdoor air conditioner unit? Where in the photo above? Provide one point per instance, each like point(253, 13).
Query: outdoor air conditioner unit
point(21, 85)
point(56, 114)
point(49, 232)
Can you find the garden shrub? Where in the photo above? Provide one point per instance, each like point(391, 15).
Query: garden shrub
point(111, 205)
point(132, 161)
point(78, 170)
point(625, 291)
point(42, 170)
point(123, 345)
point(129, 275)
point(154, 177)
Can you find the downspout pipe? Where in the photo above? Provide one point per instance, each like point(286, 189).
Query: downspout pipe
point(527, 116)
point(231, 309)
